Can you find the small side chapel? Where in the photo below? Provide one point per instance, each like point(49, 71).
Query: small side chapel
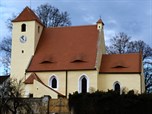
point(57, 61)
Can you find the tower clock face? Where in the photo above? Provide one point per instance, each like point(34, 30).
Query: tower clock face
point(23, 39)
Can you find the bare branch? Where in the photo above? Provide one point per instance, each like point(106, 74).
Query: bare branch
point(52, 17)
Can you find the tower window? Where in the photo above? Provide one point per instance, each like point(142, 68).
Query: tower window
point(23, 28)
point(22, 51)
point(38, 29)
point(53, 82)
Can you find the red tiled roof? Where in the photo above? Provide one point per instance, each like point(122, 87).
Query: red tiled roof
point(66, 48)
point(121, 63)
point(31, 79)
point(27, 15)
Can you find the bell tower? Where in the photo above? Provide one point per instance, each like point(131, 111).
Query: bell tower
point(27, 29)
point(101, 43)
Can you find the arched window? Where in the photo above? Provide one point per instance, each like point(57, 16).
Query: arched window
point(83, 84)
point(53, 82)
point(23, 27)
point(38, 29)
point(117, 86)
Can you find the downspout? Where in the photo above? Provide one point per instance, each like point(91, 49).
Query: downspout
point(142, 79)
point(66, 82)
point(141, 83)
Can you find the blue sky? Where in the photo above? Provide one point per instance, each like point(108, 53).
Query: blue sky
point(134, 17)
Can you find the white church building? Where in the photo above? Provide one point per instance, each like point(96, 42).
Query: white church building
point(57, 61)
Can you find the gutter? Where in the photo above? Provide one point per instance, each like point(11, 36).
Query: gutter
point(66, 86)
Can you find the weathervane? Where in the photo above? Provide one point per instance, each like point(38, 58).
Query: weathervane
point(100, 16)
point(30, 3)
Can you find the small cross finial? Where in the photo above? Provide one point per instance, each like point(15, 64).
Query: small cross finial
point(30, 4)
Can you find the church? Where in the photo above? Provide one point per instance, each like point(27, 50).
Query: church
point(57, 61)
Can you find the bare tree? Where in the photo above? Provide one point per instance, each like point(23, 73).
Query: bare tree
point(148, 77)
point(9, 22)
point(121, 43)
point(136, 46)
point(5, 49)
point(10, 97)
point(52, 17)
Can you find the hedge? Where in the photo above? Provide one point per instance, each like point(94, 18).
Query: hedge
point(110, 102)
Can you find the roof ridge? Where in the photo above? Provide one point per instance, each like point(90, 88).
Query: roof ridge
point(70, 26)
point(137, 53)
point(31, 78)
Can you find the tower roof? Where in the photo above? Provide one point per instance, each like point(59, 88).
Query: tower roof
point(33, 76)
point(27, 15)
point(100, 21)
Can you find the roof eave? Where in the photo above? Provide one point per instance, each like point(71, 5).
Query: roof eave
point(28, 20)
point(59, 70)
point(119, 72)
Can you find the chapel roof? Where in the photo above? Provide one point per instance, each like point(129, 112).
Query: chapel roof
point(121, 63)
point(66, 48)
point(27, 15)
point(33, 76)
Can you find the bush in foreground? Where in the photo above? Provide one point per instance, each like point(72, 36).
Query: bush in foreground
point(110, 102)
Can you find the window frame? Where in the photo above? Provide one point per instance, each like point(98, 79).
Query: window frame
point(50, 81)
point(80, 83)
point(114, 84)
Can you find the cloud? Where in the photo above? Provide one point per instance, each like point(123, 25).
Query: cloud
point(129, 16)
point(134, 17)
point(108, 35)
point(89, 19)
